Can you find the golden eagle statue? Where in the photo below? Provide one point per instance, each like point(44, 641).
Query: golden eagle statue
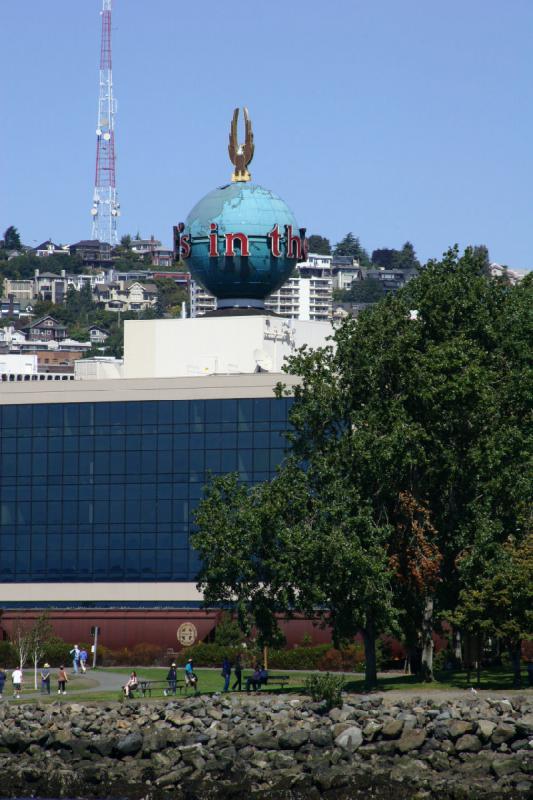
point(241, 154)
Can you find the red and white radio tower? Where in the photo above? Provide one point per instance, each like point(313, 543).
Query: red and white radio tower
point(106, 208)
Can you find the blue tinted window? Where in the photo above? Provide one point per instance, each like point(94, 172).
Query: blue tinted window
point(106, 491)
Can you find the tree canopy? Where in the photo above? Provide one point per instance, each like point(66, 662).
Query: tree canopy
point(404, 259)
point(409, 447)
point(12, 238)
point(352, 247)
point(319, 244)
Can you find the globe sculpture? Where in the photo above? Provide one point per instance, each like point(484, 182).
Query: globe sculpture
point(241, 240)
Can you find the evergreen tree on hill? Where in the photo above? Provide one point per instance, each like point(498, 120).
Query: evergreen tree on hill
point(12, 238)
point(319, 244)
point(389, 258)
point(351, 246)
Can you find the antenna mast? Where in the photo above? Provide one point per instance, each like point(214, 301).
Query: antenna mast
point(105, 208)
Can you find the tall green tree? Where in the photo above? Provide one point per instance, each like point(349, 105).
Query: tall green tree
point(170, 296)
point(365, 291)
point(352, 247)
point(319, 244)
point(498, 598)
point(409, 449)
point(407, 404)
point(389, 258)
point(248, 552)
point(12, 238)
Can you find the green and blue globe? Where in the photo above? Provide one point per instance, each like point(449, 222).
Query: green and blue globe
point(240, 208)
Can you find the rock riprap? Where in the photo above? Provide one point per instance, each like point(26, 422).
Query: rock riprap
point(269, 747)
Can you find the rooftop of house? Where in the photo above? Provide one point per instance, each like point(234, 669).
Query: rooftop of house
point(50, 245)
point(94, 244)
point(39, 322)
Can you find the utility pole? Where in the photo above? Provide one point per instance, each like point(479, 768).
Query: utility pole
point(106, 208)
point(95, 630)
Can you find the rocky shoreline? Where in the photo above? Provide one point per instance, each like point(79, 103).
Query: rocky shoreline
point(268, 746)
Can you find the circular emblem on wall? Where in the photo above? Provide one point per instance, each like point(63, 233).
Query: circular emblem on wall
point(187, 634)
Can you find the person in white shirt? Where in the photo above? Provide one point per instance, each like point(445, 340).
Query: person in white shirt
point(16, 678)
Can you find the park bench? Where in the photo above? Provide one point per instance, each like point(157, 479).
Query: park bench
point(146, 687)
point(278, 680)
point(273, 680)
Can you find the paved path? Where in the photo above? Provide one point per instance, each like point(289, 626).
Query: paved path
point(98, 681)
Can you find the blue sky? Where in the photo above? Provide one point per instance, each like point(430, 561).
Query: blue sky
point(395, 120)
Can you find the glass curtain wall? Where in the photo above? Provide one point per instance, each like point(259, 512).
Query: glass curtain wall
point(105, 491)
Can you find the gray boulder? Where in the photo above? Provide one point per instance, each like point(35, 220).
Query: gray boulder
point(392, 729)
point(130, 744)
point(292, 740)
point(411, 740)
point(350, 739)
point(503, 733)
point(468, 744)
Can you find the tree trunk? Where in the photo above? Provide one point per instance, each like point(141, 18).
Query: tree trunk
point(514, 649)
point(427, 641)
point(371, 673)
point(457, 645)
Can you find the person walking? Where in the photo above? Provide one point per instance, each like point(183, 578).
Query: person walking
point(190, 678)
point(45, 679)
point(226, 672)
point(2, 681)
point(83, 660)
point(172, 678)
point(238, 674)
point(75, 653)
point(62, 680)
point(16, 679)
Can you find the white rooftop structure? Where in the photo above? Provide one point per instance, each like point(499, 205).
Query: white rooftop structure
point(218, 345)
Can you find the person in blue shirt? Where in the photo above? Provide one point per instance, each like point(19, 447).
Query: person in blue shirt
point(45, 679)
point(226, 672)
point(172, 678)
point(83, 660)
point(190, 677)
point(75, 653)
point(2, 681)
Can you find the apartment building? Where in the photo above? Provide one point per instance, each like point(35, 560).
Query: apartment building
point(307, 294)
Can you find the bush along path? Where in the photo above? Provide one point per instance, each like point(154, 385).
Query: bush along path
point(269, 747)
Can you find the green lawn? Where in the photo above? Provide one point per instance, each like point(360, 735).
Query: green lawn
point(210, 680)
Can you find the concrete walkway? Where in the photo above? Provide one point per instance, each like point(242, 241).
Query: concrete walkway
point(95, 682)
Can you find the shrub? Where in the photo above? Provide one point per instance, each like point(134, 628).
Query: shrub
point(446, 660)
point(321, 657)
point(227, 632)
point(147, 655)
point(351, 659)
point(212, 655)
point(325, 688)
point(298, 658)
point(8, 656)
point(56, 652)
